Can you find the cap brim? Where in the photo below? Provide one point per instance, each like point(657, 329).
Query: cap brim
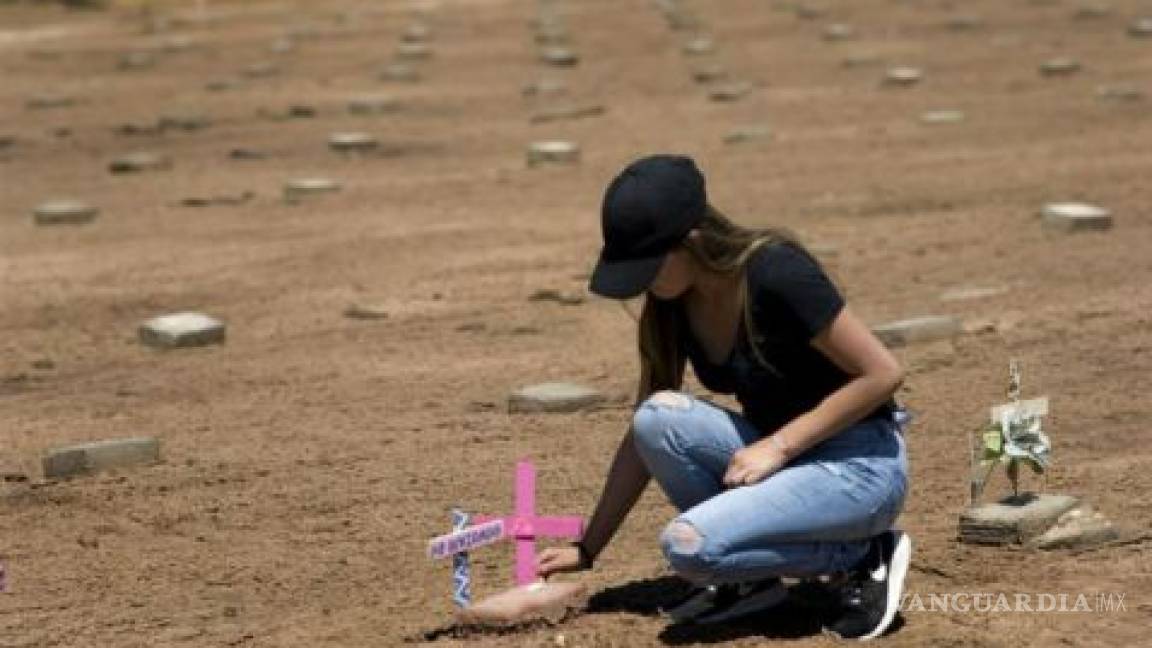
point(624, 279)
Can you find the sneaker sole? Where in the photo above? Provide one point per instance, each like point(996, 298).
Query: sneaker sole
point(897, 570)
point(758, 602)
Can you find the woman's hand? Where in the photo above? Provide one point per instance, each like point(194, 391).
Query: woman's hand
point(557, 560)
point(753, 463)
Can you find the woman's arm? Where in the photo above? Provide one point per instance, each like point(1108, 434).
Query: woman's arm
point(877, 375)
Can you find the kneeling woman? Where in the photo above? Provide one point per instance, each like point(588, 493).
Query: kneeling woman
point(808, 479)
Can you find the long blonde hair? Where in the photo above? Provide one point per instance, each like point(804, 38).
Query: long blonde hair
point(721, 246)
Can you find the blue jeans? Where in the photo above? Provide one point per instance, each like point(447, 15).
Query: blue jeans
point(812, 517)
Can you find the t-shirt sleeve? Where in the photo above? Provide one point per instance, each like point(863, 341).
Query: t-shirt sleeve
point(783, 277)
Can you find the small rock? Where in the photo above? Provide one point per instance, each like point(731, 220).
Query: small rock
point(839, 32)
point(729, 92)
point(352, 142)
point(748, 134)
point(294, 190)
point(1120, 92)
point(1060, 66)
point(938, 117)
point(139, 162)
point(1013, 520)
point(968, 294)
point(1075, 217)
point(64, 212)
point(49, 101)
point(402, 72)
point(553, 397)
point(699, 46)
point(1141, 28)
point(210, 201)
point(567, 112)
point(553, 152)
point(413, 52)
point(365, 312)
point(181, 330)
point(903, 76)
point(89, 458)
point(378, 105)
point(186, 122)
point(920, 329)
point(559, 56)
point(1082, 526)
point(550, 294)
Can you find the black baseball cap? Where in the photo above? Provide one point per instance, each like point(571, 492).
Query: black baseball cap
point(648, 209)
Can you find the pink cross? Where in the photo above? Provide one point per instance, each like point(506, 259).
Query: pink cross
point(524, 527)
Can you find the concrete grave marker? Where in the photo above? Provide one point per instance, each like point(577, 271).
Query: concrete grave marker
point(709, 73)
point(748, 134)
point(968, 294)
point(295, 190)
point(552, 34)
point(1141, 28)
point(939, 117)
point(139, 162)
point(50, 101)
point(182, 330)
point(699, 46)
point(416, 33)
point(352, 142)
point(400, 71)
point(729, 91)
point(545, 87)
point(920, 329)
point(903, 76)
point(366, 312)
point(1082, 526)
point(559, 56)
point(965, 23)
point(1076, 217)
point(553, 397)
point(839, 32)
point(136, 61)
point(558, 113)
point(183, 121)
point(413, 52)
point(553, 152)
point(1016, 519)
point(1121, 92)
point(377, 105)
point(89, 458)
point(1059, 66)
point(64, 212)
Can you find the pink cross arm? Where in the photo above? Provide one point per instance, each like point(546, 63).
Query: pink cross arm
point(560, 527)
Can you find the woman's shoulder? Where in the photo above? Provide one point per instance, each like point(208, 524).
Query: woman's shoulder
point(780, 260)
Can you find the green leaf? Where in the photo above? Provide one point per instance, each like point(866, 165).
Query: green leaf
point(993, 444)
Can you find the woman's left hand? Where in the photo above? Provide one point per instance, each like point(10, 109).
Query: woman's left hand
point(753, 463)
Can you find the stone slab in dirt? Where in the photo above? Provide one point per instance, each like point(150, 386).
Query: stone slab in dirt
point(1015, 519)
point(182, 330)
point(89, 458)
point(1080, 527)
point(918, 329)
point(554, 397)
point(65, 212)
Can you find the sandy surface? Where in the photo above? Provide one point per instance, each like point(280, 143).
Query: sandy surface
point(309, 459)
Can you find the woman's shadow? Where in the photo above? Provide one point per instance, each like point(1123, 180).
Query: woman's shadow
point(800, 615)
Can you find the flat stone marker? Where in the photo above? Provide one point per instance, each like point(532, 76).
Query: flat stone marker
point(139, 162)
point(729, 92)
point(352, 142)
point(1120, 92)
point(300, 188)
point(182, 330)
point(64, 212)
point(940, 117)
point(89, 458)
point(400, 72)
point(553, 152)
point(748, 134)
point(558, 113)
point(559, 56)
point(903, 76)
point(366, 312)
point(969, 294)
point(920, 329)
point(1076, 217)
point(49, 101)
point(709, 73)
point(965, 23)
point(413, 52)
point(136, 61)
point(699, 46)
point(1141, 28)
point(545, 87)
point(1082, 526)
point(1060, 66)
point(553, 397)
point(839, 32)
point(1013, 520)
point(417, 33)
point(378, 105)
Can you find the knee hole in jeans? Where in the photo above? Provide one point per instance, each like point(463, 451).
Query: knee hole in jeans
point(682, 538)
point(670, 399)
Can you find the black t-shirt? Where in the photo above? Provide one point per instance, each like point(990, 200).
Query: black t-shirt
point(792, 301)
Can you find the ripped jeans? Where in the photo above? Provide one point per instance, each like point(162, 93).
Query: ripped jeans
point(814, 516)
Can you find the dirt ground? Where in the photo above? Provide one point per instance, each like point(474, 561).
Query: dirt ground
point(308, 460)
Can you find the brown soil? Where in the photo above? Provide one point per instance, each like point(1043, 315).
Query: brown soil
point(309, 459)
